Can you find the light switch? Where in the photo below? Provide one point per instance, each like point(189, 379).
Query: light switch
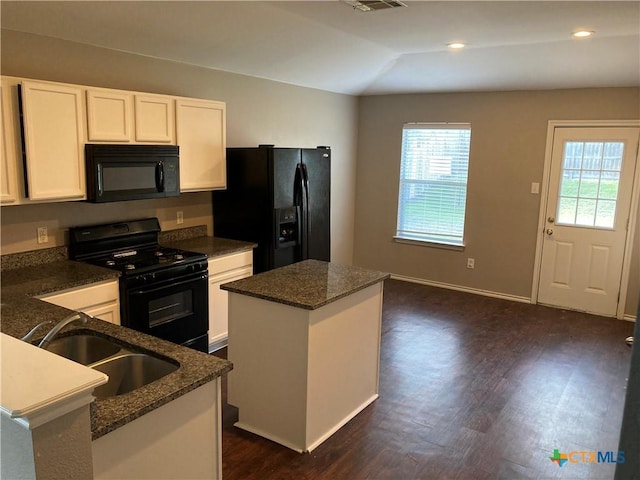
point(535, 188)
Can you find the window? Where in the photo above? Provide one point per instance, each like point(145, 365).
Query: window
point(589, 185)
point(433, 183)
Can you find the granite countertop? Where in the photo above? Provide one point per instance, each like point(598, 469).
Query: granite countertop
point(309, 284)
point(211, 246)
point(21, 311)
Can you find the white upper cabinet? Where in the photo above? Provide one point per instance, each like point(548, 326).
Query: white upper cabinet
point(123, 117)
point(9, 151)
point(155, 119)
point(109, 116)
point(45, 126)
point(54, 141)
point(201, 136)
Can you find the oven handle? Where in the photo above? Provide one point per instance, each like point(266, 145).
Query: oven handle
point(152, 289)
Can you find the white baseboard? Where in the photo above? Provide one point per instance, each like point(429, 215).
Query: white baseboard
point(460, 288)
point(478, 291)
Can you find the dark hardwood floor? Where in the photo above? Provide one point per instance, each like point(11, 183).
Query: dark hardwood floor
point(471, 387)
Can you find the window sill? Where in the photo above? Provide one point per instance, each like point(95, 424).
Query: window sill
point(426, 243)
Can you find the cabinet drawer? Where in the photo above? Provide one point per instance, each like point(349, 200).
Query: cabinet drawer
point(83, 298)
point(230, 262)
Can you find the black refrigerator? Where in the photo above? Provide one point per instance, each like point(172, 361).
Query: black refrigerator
point(279, 198)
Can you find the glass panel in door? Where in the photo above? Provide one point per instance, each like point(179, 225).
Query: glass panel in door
point(589, 186)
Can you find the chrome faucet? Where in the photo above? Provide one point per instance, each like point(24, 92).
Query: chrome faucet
point(27, 338)
point(76, 317)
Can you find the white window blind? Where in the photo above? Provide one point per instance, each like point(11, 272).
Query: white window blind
point(433, 182)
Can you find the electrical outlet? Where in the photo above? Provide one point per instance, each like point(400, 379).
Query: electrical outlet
point(471, 263)
point(43, 236)
point(180, 217)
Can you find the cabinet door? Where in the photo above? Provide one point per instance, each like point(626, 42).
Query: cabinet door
point(224, 269)
point(9, 159)
point(54, 139)
point(109, 312)
point(154, 116)
point(109, 116)
point(219, 303)
point(201, 135)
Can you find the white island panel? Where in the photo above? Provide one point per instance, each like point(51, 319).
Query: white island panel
point(300, 374)
point(344, 353)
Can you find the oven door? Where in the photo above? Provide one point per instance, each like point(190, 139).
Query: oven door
point(176, 310)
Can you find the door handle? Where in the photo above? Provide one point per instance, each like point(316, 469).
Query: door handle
point(549, 231)
point(160, 177)
point(551, 219)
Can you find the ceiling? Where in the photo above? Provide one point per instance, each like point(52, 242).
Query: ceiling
point(512, 45)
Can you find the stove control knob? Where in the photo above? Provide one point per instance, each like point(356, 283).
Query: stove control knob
point(148, 278)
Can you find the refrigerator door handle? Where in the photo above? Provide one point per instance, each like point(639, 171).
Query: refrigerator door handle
point(298, 228)
point(298, 186)
point(305, 212)
point(305, 182)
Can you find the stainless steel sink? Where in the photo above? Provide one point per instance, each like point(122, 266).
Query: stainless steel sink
point(130, 371)
point(84, 349)
point(127, 368)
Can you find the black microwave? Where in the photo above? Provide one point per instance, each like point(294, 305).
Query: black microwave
point(131, 172)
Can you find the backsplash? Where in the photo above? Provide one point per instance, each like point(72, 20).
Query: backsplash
point(20, 223)
point(55, 254)
point(33, 257)
point(183, 234)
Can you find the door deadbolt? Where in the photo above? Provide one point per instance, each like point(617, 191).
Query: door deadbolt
point(549, 231)
point(551, 219)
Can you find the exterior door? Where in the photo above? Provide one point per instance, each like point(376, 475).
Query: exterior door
point(587, 217)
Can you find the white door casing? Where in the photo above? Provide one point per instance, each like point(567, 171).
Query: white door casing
point(582, 261)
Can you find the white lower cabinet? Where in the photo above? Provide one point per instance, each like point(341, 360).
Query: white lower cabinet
point(181, 439)
point(100, 300)
point(223, 270)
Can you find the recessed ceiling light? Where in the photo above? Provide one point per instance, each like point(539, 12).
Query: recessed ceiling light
point(582, 34)
point(456, 46)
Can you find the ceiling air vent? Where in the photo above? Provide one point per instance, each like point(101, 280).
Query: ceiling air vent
point(371, 5)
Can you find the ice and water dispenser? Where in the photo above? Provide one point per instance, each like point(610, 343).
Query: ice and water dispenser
point(287, 227)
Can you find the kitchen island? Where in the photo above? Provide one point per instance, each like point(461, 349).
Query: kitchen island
point(305, 343)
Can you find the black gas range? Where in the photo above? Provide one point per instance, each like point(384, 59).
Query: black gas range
point(163, 290)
